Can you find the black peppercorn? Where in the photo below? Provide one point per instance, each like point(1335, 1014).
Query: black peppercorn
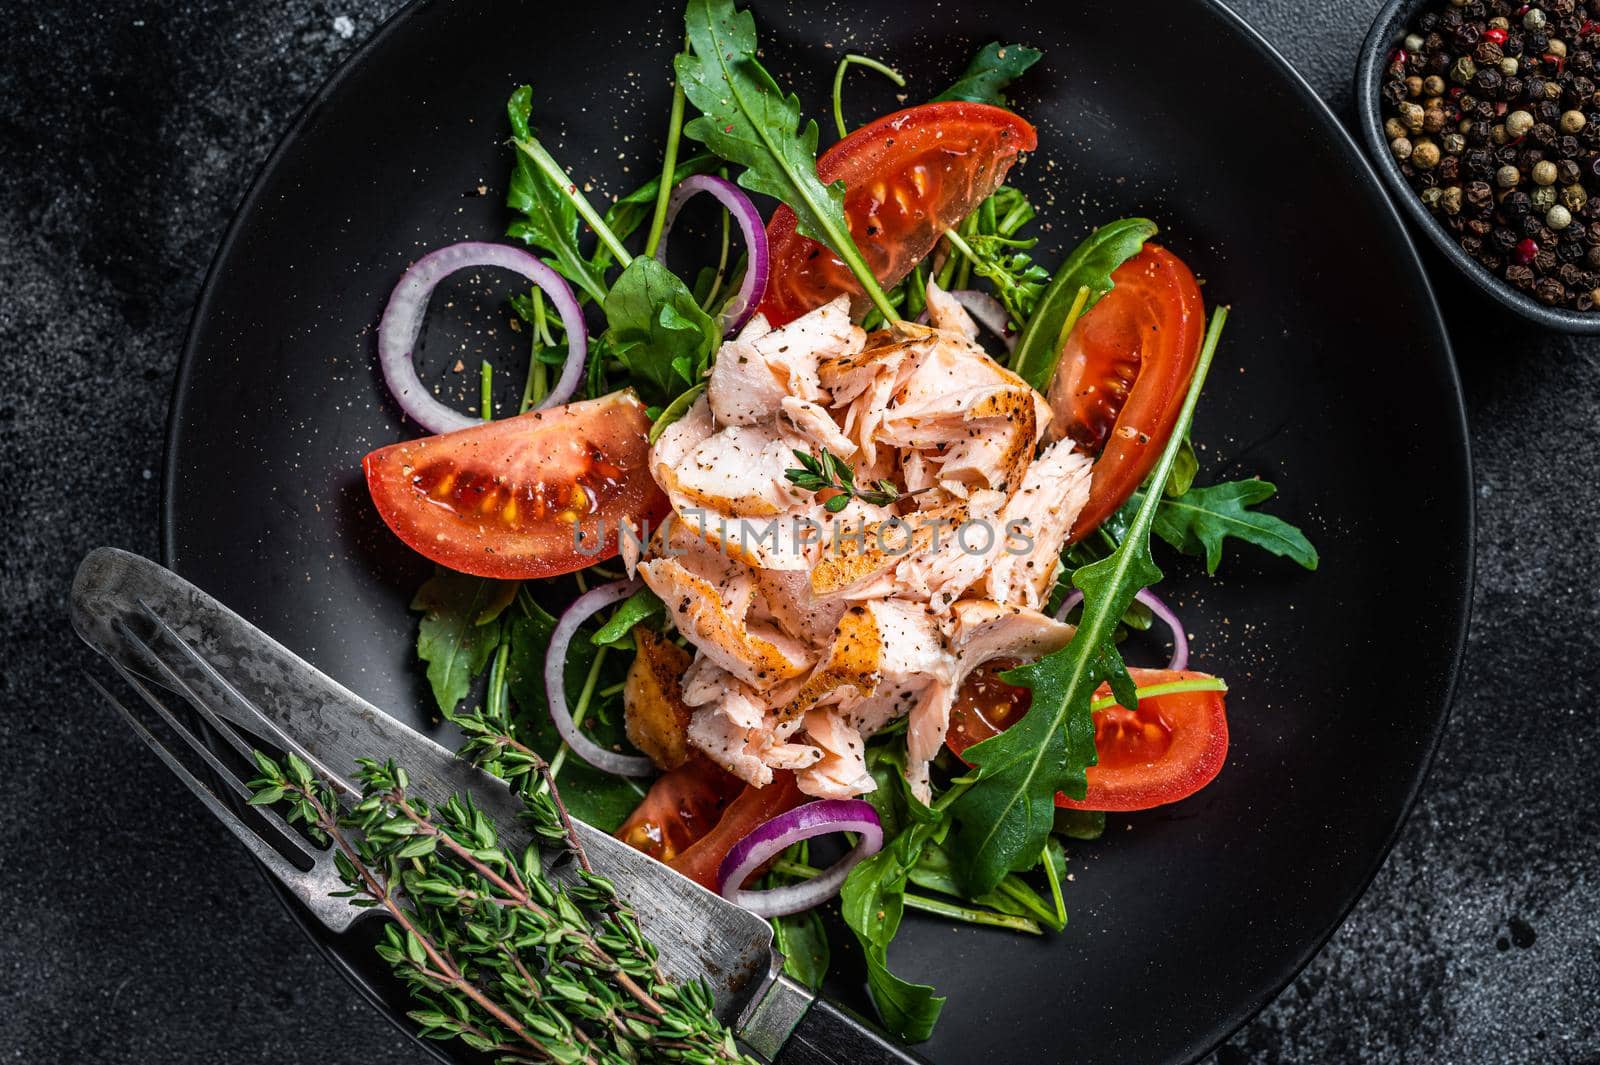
point(1532, 88)
point(1567, 171)
point(1487, 53)
point(1513, 44)
point(1567, 146)
point(1479, 162)
point(1520, 276)
point(1543, 134)
point(1472, 246)
point(1450, 21)
point(1429, 23)
point(1488, 81)
point(1549, 291)
point(1516, 204)
point(1502, 239)
point(1536, 42)
point(1529, 225)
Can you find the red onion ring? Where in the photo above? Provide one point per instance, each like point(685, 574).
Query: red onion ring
point(555, 677)
point(1180, 641)
point(401, 324)
point(754, 230)
point(820, 818)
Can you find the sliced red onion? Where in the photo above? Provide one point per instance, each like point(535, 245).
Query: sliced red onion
point(555, 681)
point(754, 230)
point(401, 324)
point(820, 818)
point(987, 312)
point(1180, 640)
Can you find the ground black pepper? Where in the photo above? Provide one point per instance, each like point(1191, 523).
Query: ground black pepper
point(1493, 116)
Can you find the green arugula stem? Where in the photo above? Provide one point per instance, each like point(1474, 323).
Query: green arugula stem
point(1073, 314)
point(669, 166)
point(1171, 687)
point(611, 689)
point(541, 158)
point(486, 390)
point(581, 707)
point(1055, 887)
point(838, 84)
point(927, 904)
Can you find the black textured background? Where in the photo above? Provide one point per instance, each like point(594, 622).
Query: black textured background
point(128, 133)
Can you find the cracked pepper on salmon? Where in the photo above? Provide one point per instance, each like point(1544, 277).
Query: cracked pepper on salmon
point(811, 630)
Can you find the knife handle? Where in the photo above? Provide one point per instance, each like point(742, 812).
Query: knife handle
point(831, 1035)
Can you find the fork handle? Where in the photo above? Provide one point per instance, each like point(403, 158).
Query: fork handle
point(832, 1035)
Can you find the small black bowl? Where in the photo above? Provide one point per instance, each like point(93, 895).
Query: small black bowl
point(1388, 29)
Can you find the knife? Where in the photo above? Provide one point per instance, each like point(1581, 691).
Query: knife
point(699, 934)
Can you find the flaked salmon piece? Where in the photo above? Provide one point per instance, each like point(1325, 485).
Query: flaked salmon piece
point(982, 630)
point(841, 771)
point(737, 471)
point(723, 730)
point(850, 669)
point(752, 373)
point(961, 543)
point(1053, 491)
point(865, 385)
point(655, 715)
point(759, 655)
point(814, 427)
point(757, 326)
point(946, 313)
point(786, 596)
point(928, 720)
point(679, 439)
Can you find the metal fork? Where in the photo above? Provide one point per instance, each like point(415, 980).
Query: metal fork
point(306, 870)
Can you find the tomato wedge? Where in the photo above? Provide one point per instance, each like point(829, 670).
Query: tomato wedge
point(674, 823)
point(517, 498)
point(1123, 375)
point(680, 808)
point(1168, 749)
point(908, 177)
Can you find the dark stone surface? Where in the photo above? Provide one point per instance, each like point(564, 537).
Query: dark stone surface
point(128, 132)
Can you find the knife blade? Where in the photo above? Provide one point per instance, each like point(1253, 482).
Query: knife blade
point(699, 934)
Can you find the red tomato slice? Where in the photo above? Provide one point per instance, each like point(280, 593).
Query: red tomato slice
point(1124, 373)
point(515, 498)
point(908, 177)
point(674, 823)
point(680, 808)
point(1168, 749)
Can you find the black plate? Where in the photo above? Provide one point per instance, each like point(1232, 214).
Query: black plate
point(1335, 381)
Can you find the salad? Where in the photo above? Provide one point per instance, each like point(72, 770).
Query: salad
point(808, 568)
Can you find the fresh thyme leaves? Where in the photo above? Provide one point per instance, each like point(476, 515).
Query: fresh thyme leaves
point(1197, 522)
point(1091, 263)
point(748, 120)
point(492, 952)
point(459, 630)
point(827, 472)
point(549, 219)
point(1008, 809)
point(990, 72)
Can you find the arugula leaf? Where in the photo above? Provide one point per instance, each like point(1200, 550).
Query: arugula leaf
point(458, 631)
point(803, 942)
point(994, 68)
point(1184, 467)
point(1008, 809)
point(675, 410)
point(1080, 824)
point(872, 900)
point(1039, 347)
point(639, 607)
point(657, 330)
point(549, 220)
point(748, 120)
point(1197, 522)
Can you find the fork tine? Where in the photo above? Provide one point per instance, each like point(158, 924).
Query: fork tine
point(289, 835)
point(177, 684)
point(195, 658)
point(295, 879)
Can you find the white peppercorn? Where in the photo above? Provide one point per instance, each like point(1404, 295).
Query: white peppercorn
point(1508, 66)
point(1413, 42)
point(1534, 19)
point(1425, 155)
point(1507, 177)
point(1401, 148)
point(1558, 217)
point(1572, 121)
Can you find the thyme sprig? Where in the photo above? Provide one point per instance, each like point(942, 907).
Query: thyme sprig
point(828, 472)
point(492, 952)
